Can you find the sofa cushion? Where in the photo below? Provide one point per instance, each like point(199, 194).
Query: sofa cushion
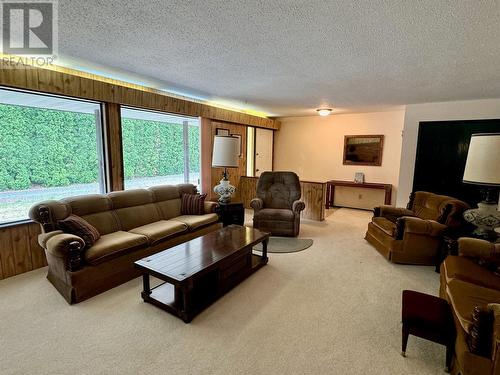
point(196, 221)
point(88, 204)
point(74, 224)
point(275, 214)
point(465, 269)
point(169, 209)
point(130, 198)
point(465, 296)
point(105, 222)
point(133, 217)
point(385, 225)
point(112, 245)
point(160, 230)
point(165, 192)
point(193, 204)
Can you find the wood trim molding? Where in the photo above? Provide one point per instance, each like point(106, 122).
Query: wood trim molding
point(78, 84)
point(206, 155)
point(113, 146)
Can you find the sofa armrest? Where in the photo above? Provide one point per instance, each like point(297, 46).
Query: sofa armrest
point(298, 206)
point(494, 308)
point(210, 207)
point(415, 225)
point(476, 248)
point(67, 247)
point(44, 237)
point(256, 204)
point(391, 212)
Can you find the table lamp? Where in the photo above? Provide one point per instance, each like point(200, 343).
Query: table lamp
point(225, 155)
point(483, 168)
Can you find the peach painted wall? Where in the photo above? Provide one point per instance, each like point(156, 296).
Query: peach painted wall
point(313, 146)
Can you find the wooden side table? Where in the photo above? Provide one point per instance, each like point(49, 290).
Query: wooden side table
point(231, 213)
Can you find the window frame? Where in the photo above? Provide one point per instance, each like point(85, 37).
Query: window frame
point(101, 148)
point(185, 140)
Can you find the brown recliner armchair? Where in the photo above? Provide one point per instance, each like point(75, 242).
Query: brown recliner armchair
point(412, 235)
point(277, 206)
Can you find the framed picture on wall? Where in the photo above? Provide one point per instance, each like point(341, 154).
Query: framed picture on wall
point(363, 149)
point(221, 131)
point(240, 154)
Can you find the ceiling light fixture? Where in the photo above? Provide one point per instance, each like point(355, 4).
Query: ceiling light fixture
point(324, 111)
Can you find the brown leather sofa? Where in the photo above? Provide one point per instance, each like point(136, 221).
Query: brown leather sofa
point(412, 235)
point(133, 224)
point(277, 206)
point(465, 284)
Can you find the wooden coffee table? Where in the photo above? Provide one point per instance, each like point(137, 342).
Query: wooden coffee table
point(198, 272)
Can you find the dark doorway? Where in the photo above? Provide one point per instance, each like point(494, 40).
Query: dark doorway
point(441, 154)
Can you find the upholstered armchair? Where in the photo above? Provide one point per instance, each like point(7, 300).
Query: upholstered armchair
point(412, 235)
point(277, 206)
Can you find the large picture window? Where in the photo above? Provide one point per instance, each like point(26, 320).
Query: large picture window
point(50, 148)
point(159, 148)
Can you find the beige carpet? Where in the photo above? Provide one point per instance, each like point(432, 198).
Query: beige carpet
point(333, 309)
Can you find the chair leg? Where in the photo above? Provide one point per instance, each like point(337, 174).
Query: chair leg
point(404, 340)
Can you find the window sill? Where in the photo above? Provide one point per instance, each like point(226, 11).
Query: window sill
point(12, 224)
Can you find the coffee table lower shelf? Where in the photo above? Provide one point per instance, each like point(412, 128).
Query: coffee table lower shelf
point(186, 300)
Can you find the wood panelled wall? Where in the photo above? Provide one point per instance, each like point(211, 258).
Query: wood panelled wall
point(19, 249)
point(313, 195)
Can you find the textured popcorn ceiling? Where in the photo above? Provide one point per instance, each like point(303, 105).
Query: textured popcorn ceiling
point(288, 57)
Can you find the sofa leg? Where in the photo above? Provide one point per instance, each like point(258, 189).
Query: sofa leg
point(404, 341)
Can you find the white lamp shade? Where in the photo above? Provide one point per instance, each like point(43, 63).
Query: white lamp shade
point(483, 160)
point(226, 151)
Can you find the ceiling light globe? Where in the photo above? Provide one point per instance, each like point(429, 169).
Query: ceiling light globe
point(324, 111)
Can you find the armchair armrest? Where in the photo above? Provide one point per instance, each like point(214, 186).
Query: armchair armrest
point(391, 212)
point(415, 225)
point(210, 207)
point(68, 247)
point(257, 204)
point(476, 248)
point(298, 206)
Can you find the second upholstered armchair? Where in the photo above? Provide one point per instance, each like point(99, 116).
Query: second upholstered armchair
point(277, 206)
point(412, 235)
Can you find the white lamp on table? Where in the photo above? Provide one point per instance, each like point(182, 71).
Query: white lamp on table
point(483, 168)
point(225, 155)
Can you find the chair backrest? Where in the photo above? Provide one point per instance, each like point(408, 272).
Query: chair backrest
point(442, 208)
point(278, 189)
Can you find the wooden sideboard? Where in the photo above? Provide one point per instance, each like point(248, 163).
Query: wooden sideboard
point(330, 189)
point(313, 195)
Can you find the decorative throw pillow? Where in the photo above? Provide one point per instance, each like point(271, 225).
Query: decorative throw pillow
point(74, 224)
point(193, 204)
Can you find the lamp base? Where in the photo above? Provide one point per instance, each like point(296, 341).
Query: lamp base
point(225, 190)
point(486, 218)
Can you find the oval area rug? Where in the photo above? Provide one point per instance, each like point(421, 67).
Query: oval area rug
point(285, 245)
